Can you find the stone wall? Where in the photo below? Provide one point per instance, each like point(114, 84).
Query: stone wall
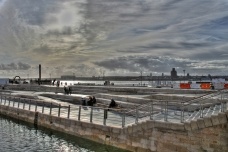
point(204, 135)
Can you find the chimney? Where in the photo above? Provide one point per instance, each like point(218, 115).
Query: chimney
point(39, 73)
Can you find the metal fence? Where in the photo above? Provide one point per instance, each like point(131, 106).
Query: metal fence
point(97, 115)
point(205, 105)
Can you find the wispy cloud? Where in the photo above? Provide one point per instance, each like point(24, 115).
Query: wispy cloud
point(15, 66)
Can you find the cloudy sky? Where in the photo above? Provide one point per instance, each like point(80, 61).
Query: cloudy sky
point(113, 37)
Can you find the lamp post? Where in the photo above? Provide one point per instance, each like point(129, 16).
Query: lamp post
point(50, 79)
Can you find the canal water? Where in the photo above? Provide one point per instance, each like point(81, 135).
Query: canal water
point(17, 136)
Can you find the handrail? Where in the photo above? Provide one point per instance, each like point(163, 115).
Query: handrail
point(184, 104)
point(218, 92)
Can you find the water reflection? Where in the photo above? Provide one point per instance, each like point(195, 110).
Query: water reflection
point(24, 137)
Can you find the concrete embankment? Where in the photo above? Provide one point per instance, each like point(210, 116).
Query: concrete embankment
point(206, 134)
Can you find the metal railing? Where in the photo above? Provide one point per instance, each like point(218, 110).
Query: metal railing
point(199, 107)
point(97, 115)
point(205, 106)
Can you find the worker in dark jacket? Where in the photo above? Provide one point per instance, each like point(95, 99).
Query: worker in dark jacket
point(83, 102)
point(90, 101)
point(94, 100)
point(112, 104)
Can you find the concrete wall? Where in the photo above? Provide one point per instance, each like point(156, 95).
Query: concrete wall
point(207, 134)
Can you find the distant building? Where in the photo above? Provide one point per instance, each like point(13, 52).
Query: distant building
point(188, 75)
point(173, 73)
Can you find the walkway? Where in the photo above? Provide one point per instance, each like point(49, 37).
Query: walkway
point(203, 106)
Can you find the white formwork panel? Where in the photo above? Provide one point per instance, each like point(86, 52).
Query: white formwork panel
point(176, 85)
point(195, 86)
point(218, 85)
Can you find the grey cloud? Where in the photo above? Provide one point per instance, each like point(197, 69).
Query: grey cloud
point(221, 22)
point(130, 15)
point(34, 12)
point(2, 2)
point(82, 70)
point(134, 63)
point(168, 45)
point(176, 45)
point(55, 32)
point(26, 28)
point(43, 49)
point(170, 4)
point(88, 32)
point(46, 50)
point(66, 30)
point(216, 27)
point(71, 69)
point(217, 53)
point(23, 66)
point(161, 64)
point(208, 55)
point(15, 66)
point(149, 29)
point(103, 16)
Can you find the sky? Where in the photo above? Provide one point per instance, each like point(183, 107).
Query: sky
point(113, 37)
